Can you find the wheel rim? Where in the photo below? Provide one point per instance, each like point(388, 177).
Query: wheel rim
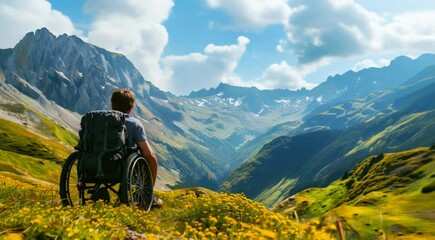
point(72, 192)
point(140, 185)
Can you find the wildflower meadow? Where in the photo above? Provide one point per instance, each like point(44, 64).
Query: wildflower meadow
point(30, 211)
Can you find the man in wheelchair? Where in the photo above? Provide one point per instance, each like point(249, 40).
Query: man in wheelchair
point(123, 101)
point(113, 149)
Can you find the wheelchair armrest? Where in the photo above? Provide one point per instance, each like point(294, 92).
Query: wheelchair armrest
point(131, 150)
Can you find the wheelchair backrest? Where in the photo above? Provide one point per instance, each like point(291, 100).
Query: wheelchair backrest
point(102, 136)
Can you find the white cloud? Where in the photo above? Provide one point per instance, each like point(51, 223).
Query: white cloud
point(329, 29)
point(368, 63)
point(133, 28)
point(284, 76)
point(325, 29)
point(204, 70)
point(410, 32)
point(18, 17)
point(321, 32)
point(253, 14)
point(280, 76)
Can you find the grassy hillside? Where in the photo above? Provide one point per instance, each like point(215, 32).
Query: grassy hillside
point(270, 175)
point(34, 212)
point(373, 106)
point(387, 195)
point(252, 147)
point(34, 149)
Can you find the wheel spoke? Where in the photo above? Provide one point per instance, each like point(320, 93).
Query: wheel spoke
point(139, 184)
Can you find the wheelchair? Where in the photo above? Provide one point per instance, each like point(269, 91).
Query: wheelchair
point(126, 176)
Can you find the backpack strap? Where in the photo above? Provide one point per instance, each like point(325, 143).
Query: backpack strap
point(84, 136)
point(100, 172)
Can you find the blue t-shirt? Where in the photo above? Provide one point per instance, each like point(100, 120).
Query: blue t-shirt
point(135, 131)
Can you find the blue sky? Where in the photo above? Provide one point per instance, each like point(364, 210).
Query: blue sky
point(186, 45)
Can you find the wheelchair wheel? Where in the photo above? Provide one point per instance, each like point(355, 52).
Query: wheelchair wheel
point(69, 192)
point(137, 183)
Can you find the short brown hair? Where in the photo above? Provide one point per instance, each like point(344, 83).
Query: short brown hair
point(122, 100)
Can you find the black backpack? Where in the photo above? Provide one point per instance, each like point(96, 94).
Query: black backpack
point(102, 144)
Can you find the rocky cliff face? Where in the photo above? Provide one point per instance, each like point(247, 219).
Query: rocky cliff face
point(76, 75)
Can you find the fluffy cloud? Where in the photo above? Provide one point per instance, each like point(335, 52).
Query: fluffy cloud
point(204, 70)
point(283, 76)
point(254, 13)
point(19, 17)
point(323, 29)
point(133, 28)
point(410, 32)
point(329, 29)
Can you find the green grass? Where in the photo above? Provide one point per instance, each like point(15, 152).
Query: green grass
point(377, 139)
point(61, 133)
point(33, 156)
point(30, 167)
point(33, 212)
point(307, 204)
point(399, 207)
point(22, 140)
point(275, 193)
point(382, 196)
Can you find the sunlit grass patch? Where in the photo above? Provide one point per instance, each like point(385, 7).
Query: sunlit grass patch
point(184, 215)
point(24, 165)
point(276, 193)
point(19, 139)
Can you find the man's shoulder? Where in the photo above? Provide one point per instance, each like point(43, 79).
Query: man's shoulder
point(132, 120)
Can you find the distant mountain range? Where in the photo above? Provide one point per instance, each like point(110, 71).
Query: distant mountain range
point(334, 138)
point(201, 138)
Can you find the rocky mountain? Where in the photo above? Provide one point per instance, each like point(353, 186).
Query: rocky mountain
point(70, 72)
point(350, 85)
point(331, 142)
point(338, 88)
point(259, 102)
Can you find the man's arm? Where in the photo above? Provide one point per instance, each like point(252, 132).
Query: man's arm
point(148, 153)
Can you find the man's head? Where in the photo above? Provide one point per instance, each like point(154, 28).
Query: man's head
point(122, 100)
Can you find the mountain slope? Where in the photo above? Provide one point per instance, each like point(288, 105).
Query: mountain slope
point(352, 84)
point(388, 194)
point(352, 98)
point(375, 105)
point(251, 99)
point(33, 149)
point(63, 77)
point(70, 72)
point(262, 172)
point(410, 124)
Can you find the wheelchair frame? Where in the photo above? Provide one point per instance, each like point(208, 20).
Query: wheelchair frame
point(135, 183)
